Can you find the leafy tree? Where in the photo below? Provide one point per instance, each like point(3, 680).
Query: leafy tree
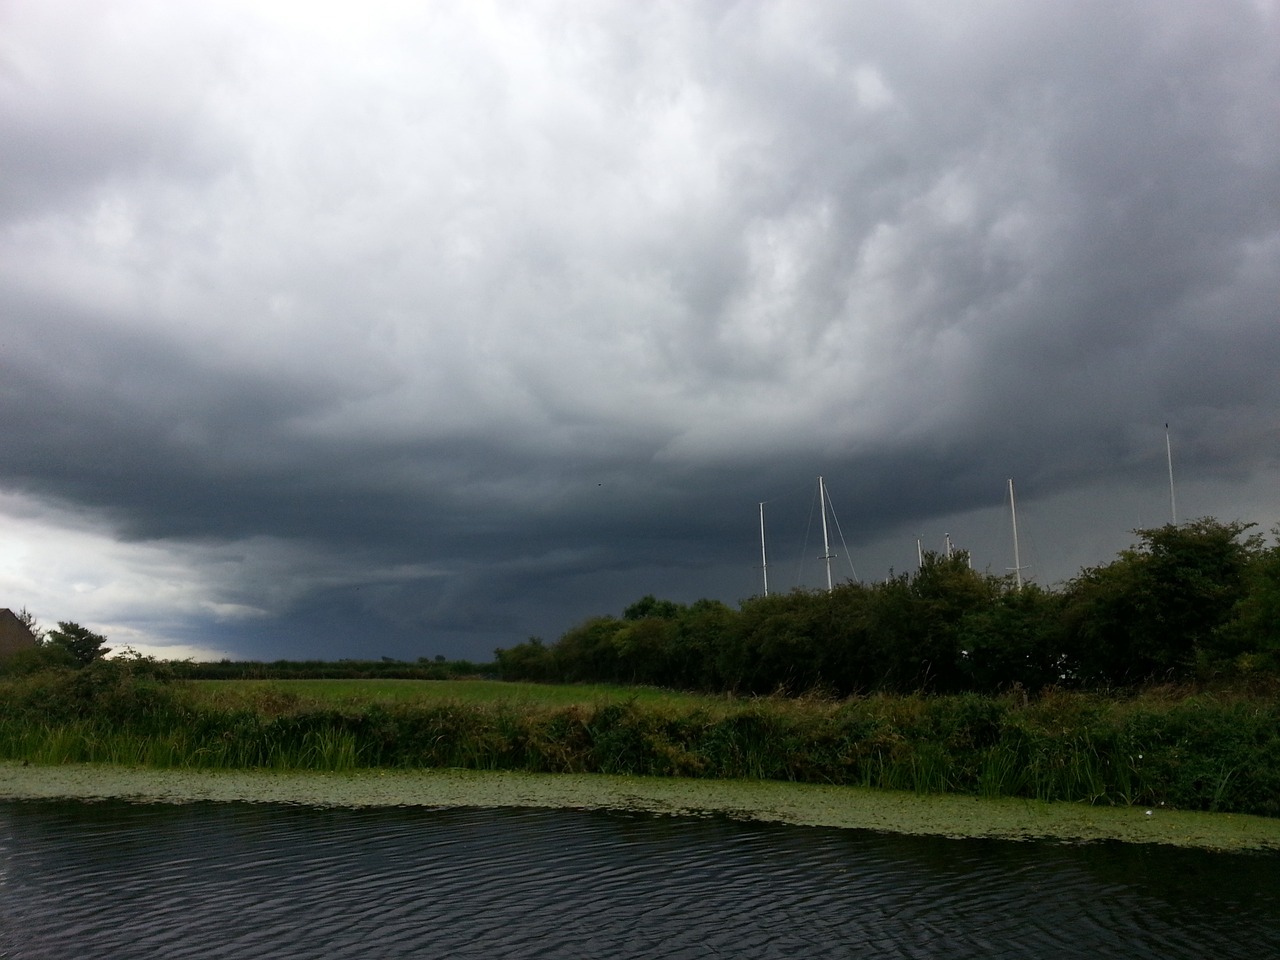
point(705, 629)
point(1184, 600)
point(848, 654)
point(650, 607)
point(1159, 609)
point(915, 623)
point(530, 660)
point(945, 589)
point(1200, 573)
point(1016, 640)
point(587, 652)
point(83, 644)
point(777, 646)
point(642, 651)
point(1252, 636)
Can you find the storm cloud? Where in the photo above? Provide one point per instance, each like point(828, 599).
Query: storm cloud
point(400, 329)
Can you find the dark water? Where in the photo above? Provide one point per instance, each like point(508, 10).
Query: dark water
point(88, 880)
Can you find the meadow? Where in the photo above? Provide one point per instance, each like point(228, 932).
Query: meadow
point(357, 693)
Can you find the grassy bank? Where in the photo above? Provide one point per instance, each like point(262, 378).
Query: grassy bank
point(1160, 750)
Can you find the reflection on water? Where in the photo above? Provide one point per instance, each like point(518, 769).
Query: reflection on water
point(118, 880)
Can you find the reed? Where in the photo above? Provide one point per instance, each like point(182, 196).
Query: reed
point(1187, 751)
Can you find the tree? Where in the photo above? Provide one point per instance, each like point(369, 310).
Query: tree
point(706, 628)
point(1159, 609)
point(28, 620)
point(914, 623)
point(642, 649)
point(83, 644)
point(1015, 640)
point(530, 660)
point(650, 607)
point(587, 652)
point(1254, 628)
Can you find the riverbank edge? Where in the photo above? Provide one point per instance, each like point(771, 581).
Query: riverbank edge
point(768, 801)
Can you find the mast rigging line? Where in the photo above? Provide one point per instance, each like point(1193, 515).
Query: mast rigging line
point(844, 546)
point(820, 496)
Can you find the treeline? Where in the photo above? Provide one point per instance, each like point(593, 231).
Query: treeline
point(73, 646)
point(1192, 602)
point(384, 669)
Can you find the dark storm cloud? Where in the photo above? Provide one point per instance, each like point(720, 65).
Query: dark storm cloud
point(428, 331)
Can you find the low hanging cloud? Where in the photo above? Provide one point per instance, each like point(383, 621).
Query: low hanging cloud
point(401, 331)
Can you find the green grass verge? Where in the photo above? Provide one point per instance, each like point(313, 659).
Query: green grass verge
point(230, 693)
point(1164, 750)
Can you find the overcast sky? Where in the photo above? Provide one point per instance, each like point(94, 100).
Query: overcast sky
point(403, 329)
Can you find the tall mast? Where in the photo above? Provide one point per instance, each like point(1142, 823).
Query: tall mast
point(1168, 451)
point(1017, 561)
point(764, 558)
point(826, 544)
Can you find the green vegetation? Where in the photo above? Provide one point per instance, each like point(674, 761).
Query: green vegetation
point(1181, 750)
point(361, 693)
point(1196, 603)
point(1149, 681)
point(794, 803)
point(79, 643)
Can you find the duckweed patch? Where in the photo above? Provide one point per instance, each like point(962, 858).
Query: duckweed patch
point(792, 803)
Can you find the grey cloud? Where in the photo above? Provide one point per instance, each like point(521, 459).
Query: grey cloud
point(509, 322)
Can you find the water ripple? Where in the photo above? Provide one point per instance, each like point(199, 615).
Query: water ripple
point(226, 880)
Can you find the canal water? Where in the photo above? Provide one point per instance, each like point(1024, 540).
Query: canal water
point(123, 881)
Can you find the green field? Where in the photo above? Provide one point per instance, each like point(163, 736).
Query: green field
point(358, 693)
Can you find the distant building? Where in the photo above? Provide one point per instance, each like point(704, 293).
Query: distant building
point(14, 635)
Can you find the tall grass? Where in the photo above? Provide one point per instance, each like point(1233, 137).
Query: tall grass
point(1192, 752)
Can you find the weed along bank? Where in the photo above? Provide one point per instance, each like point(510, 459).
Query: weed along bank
point(1160, 750)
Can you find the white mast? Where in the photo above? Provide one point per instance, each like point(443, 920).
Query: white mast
point(1168, 450)
point(826, 544)
point(764, 559)
point(1017, 561)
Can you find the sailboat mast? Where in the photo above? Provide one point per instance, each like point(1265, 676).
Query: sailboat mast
point(764, 558)
point(1017, 560)
point(1168, 451)
point(826, 544)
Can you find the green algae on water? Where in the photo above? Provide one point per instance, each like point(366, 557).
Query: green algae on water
point(792, 803)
